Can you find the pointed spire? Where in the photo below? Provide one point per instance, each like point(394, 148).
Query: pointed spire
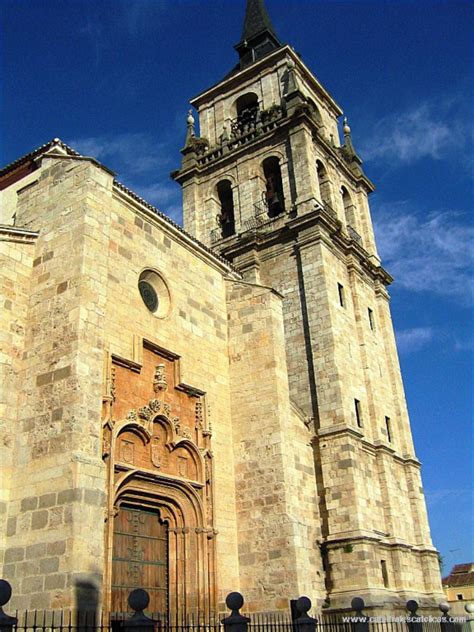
point(256, 20)
point(258, 35)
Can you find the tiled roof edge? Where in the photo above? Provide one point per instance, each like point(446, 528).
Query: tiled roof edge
point(36, 152)
point(168, 220)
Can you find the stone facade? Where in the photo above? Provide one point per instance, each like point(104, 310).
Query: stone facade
point(230, 403)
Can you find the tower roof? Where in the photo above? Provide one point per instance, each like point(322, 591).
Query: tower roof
point(258, 35)
point(256, 20)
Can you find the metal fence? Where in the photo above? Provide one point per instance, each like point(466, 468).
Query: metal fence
point(299, 620)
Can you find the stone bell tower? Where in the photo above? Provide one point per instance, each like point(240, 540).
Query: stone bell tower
point(269, 185)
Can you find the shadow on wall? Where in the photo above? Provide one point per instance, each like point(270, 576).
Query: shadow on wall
point(87, 598)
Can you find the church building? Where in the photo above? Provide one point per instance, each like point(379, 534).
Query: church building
point(216, 407)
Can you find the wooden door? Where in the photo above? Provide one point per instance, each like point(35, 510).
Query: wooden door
point(140, 558)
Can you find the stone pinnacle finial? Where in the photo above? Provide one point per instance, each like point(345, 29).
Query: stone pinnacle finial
point(346, 129)
point(292, 83)
point(190, 133)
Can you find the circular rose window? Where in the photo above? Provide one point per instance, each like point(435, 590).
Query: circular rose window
point(149, 295)
point(154, 293)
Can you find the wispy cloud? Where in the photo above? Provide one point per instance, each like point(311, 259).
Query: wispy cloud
point(129, 153)
point(141, 163)
point(435, 497)
point(411, 340)
point(427, 130)
point(432, 254)
point(167, 196)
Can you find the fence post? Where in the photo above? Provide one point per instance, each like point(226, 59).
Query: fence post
point(446, 622)
point(469, 608)
point(138, 600)
point(305, 623)
point(6, 622)
point(362, 622)
point(235, 622)
point(414, 621)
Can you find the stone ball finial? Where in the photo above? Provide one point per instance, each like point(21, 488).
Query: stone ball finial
point(138, 599)
point(444, 607)
point(469, 608)
point(303, 605)
point(346, 129)
point(412, 606)
point(5, 592)
point(358, 604)
point(190, 118)
point(234, 601)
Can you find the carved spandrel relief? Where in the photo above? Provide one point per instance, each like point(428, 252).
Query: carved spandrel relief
point(183, 466)
point(127, 451)
point(159, 453)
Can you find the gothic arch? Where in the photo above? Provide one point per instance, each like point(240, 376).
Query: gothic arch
point(324, 183)
point(226, 216)
point(274, 196)
point(349, 208)
point(245, 101)
point(134, 427)
point(211, 190)
point(190, 543)
point(316, 113)
point(273, 153)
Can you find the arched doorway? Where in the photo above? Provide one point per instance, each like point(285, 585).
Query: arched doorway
point(160, 523)
point(140, 558)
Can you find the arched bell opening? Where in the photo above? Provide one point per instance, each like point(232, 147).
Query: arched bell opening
point(226, 217)
point(316, 115)
point(274, 186)
point(247, 112)
point(324, 183)
point(349, 208)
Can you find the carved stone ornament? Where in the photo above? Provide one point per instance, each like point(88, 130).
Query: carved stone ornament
point(145, 412)
point(155, 405)
point(199, 416)
point(167, 409)
point(177, 425)
point(180, 430)
point(185, 433)
point(159, 382)
point(113, 388)
point(132, 416)
point(105, 447)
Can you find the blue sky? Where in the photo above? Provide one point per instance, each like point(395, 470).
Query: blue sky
point(113, 79)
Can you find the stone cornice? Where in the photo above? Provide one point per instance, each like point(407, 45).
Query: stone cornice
point(16, 234)
point(384, 540)
point(374, 447)
point(239, 78)
point(292, 230)
point(301, 117)
point(338, 429)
